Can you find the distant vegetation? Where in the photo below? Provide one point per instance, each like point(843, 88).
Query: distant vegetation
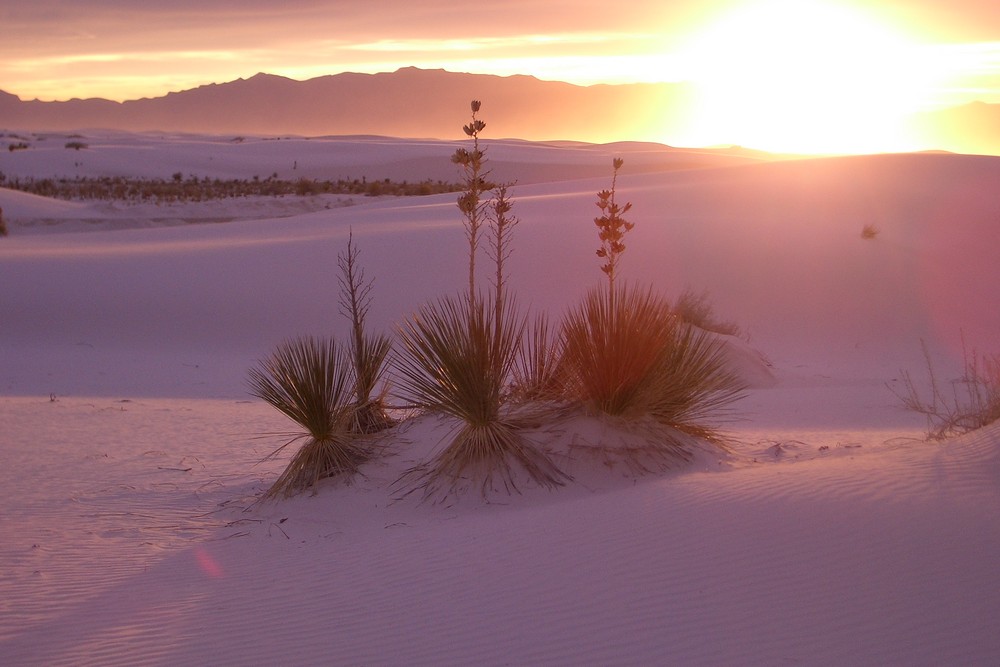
point(193, 189)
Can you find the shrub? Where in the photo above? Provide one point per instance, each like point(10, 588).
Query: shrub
point(3, 225)
point(309, 381)
point(305, 187)
point(456, 363)
point(329, 390)
point(633, 357)
point(696, 309)
point(193, 189)
point(869, 231)
point(76, 145)
point(625, 353)
point(972, 402)
point(458, 356)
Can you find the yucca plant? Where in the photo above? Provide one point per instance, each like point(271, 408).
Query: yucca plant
point(457, 362)
point(458, 355)
point(633, 358)
point(693, 386)
point(309, 380)
point(625, 353)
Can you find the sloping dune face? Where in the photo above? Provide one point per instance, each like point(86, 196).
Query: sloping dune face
point(830, 534)
point(777, 246)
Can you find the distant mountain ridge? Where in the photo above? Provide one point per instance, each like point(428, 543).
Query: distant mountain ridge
point(412, 102)
point(409, 102)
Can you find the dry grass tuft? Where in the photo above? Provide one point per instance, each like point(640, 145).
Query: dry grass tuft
point(696, 308)
point(972, 403)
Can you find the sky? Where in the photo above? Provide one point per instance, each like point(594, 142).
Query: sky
point(853, 61)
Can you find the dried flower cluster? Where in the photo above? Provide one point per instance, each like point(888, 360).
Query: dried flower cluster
point(470, 202)
point(612, 226)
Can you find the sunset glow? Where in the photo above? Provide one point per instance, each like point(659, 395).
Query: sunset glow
point(784, 75)
point(805, 76)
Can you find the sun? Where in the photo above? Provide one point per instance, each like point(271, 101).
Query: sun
point(802, 76)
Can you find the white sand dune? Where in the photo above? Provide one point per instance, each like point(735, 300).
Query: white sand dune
point(832, 534)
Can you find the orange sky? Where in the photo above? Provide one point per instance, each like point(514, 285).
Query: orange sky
point(851, 60)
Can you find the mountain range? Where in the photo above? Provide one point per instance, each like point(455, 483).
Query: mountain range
point(412, 102)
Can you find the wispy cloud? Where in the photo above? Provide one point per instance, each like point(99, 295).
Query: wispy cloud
point(491, 43)
point(26, 64)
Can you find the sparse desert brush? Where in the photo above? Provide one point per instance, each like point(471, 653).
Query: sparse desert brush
point(869, 231)
point(696, 308)
point(972, 402)
point(625, 353)
point(309, 381)
point(194, 189)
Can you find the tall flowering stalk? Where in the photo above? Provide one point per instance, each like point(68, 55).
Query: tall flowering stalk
point(368, 352)
point(502, 223)
point(611, 229)
point(458, 355)
point(470, 202)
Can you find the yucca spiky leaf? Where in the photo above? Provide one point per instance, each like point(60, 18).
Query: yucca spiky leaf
point(536, 375)
point(610, 348)
point(306, 379)
point(692, 386)
point(370, 362)
point(456, 362)
point(309, 381)
point(484, 455)
point(631, 357)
